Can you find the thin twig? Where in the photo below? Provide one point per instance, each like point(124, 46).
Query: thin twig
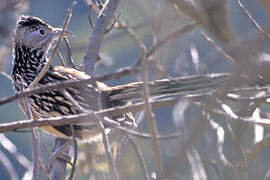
point(70, 62)
point(5, 75)
point(140, 156)
point(135, 68)
point(84, 117)
point(97, 35)
point(59, 150)
point(156, 26)
point(12, 149)
point(214, 163)
point(220, 143)
point(6, 163)
point(104, 136)
point(218, 49)
point(44, 169)
point(75, 144)
point(20, 158)
point(138, 134)
point(148, 111)
point(89, 17)
point(159, 68)
point(172, 36)
point(54, 50)
point(258, 147)
point(148, 136)
point(61, 59)
point(134, 36)
point(113, 23)
point(75, 103)
point(98, 12)
point(35, 152)
point(35, 141)
point(58, 163)
point(251, 19)
point(107, 148)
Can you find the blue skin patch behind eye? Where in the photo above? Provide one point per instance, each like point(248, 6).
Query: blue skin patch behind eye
point(35, 33)
point(40, 38)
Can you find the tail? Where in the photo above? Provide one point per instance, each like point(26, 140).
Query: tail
point(164, 88)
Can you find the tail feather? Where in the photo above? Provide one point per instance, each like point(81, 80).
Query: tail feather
point(166, 87)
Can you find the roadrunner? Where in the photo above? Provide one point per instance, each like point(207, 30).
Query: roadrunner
point(32, 41)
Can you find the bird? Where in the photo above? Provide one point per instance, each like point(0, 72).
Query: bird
point(32, 42)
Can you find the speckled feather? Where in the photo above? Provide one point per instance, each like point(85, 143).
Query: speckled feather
point(29, 59)
point(28, 63)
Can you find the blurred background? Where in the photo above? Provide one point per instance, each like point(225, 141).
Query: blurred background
point(186, 54)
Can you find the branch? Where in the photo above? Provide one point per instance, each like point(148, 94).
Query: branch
point(84, 117)
point(69, 54)
point(148, 110)
point(140, 156)
point(135, 68)
point(6, 163)
point(13, 150)
point(90, 57)
point(218, 49)
point(251, 19)
point(73, 169)
point(58, 165)
point(258, 147)
point(35, 140)
point(97, 35)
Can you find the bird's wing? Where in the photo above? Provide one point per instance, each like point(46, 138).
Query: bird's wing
point(94, 94)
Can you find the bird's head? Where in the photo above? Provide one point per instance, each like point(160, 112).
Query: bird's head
point(32, 32)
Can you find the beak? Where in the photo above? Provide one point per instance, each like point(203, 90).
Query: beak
point(57, 32)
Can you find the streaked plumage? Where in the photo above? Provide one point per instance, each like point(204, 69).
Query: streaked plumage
point(32, 41)
point(28, 62)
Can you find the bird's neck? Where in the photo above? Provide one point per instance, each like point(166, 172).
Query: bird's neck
point(27, 64)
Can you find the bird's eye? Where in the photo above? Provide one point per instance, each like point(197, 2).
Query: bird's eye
point(42, 32)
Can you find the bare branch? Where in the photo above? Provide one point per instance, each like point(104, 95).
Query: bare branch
point(84, 117)
point(220, 143)
point(148, 110)
point(8, 166)
point(257, 148)
point(104, 136)
point(113, 24)
point(97, 35)
point(75, 153)
point(11, 148)
point(110, 159)
point(35, 140)
point(135, 68)
point(140, 156)
point(58, 165)
point(69, 54)
point(44, 169)
point(218, 49)
point(251, 19)
point(35, 153)
point(5, 75)
point(89, 17)
point(60, 58)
